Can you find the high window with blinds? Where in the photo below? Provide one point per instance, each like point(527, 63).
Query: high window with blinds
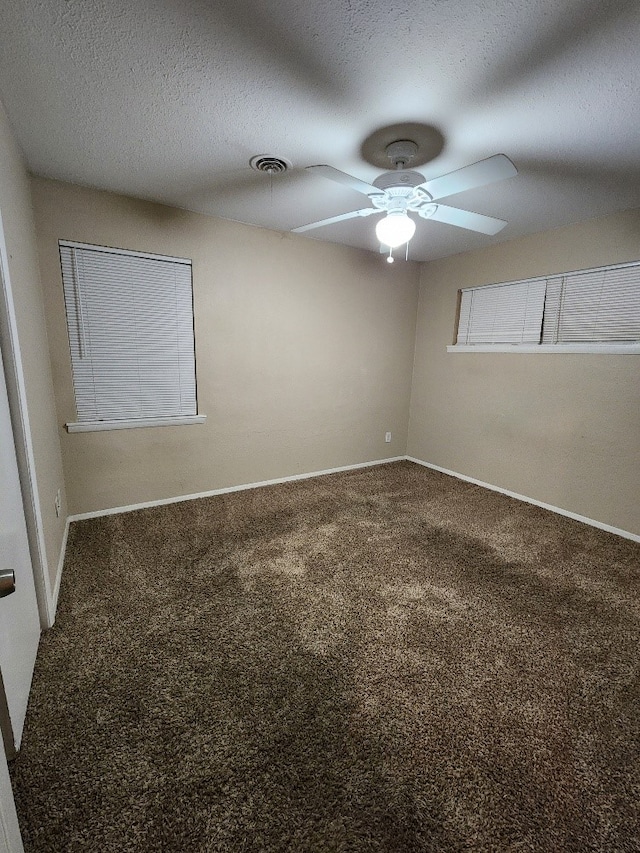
point(590, 310)
point(131, 336)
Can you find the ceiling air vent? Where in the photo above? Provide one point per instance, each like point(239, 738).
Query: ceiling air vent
point(269, 165)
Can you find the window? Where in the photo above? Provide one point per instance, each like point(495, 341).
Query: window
point(501, 314)
point(130, 324)
point(595, 310)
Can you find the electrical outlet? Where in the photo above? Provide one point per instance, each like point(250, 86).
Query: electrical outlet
point(58, 503)
point(387, 437)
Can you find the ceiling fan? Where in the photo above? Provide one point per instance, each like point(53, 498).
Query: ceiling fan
point(400, 192)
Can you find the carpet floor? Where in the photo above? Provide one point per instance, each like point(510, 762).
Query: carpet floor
point(388, 659)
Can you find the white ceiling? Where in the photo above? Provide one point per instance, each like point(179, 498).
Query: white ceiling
point(169, 99)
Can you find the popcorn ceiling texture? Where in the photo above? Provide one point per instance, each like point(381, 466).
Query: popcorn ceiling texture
point(169, 101)
point(382, 660)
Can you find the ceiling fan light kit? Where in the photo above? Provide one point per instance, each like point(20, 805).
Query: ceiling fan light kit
point(395, 229)
point(400, 192)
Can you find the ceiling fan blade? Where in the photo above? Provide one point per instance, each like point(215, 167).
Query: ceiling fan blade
point(367, 211)
point(495, 168)
point(468, 220)
point(347, 180)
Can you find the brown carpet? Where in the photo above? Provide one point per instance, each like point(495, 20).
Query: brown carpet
point(383, 660)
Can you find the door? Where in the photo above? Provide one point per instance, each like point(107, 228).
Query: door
point(10, 841)
point(19, 621)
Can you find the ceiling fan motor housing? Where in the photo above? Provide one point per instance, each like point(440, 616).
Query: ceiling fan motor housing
point(400, 178)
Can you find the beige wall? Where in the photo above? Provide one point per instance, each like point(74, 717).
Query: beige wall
point(17, 218)
point(558, 428)
point(304, 352)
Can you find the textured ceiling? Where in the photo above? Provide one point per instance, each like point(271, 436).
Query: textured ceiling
point(169, 99)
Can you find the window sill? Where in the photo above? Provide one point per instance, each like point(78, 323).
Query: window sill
point(612, 349)
point(98, 426)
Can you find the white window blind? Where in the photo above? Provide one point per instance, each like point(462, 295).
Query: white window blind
point(507, 314)
point(130, 323)
point(595, 307)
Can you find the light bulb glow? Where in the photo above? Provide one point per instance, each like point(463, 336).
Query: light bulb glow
point(395, 229)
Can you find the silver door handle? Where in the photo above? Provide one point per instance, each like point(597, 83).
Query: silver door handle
point(7, 582)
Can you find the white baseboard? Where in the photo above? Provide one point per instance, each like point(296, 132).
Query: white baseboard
point(225, 491)
point(56, 586)
point(591, 521)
